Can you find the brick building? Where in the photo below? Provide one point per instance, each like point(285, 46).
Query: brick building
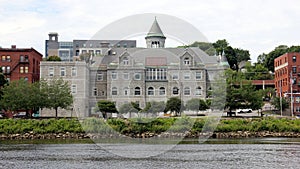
point(20, 63)
point(287, 78)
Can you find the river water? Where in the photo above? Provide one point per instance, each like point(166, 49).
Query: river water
point(243, 153)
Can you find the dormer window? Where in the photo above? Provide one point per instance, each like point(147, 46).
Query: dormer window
point(186, 61)
point(125, 61)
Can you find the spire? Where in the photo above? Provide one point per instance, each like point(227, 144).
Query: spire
point(155, 30)
point(223, 60)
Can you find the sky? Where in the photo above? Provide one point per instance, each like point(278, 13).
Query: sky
point(255, 25)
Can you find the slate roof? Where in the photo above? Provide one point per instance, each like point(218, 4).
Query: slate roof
point(155, 30)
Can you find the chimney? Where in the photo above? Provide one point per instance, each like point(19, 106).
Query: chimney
point(13, 46)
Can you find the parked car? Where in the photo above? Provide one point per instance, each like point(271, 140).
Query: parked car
point(244, 110)
point(20, 115)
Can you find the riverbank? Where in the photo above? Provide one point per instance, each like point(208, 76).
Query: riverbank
point(94, 128)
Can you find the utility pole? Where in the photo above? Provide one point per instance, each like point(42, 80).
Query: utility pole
point(292, 104)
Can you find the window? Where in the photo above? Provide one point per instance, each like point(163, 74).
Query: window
point(98, 52)
point(187, 91)
point(21, 69)
point(175, 91)
point(151, 91)
point(294, 58)
point(198, 91)
point(137, 91)
point(3, 58)
point(7, 69)
point(186, 61)
point(22, 58)
point(187, 76)
point(126, 76)
point(74, 71)
point(3, 69)
point(162, 91)
point(99, 76)
point(137, 76)
point(294, 80)
point(175, 76)
point(8, 58)
point(95, 91)
point(114, 91)
point(26, 58)
point(62, 71)
point(125, 61)
point(73, 88)
point(198, 75)
point(51, 71)
point(114, 75)
point(156, 74)
point(26, 69)
point(126, 91)
point(294, 69)
point(26, 79)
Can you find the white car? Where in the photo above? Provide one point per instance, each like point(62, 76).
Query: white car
point(244, 110)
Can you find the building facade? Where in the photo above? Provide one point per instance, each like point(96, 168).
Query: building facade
point(72, 50)
point(18, 63)
point(129, 74)
point(287, 78)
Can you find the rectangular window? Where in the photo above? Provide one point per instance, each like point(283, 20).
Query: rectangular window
point(294, 69)
point(3, 58)
point(125, 76)
point(62, 71)
point(21, 69)
point(175, 76)
point(99, 76)
point(8, 58)
point(187, 76)
point(74, 88)
point(114, 75)
point(74, 71)
point(198, 75)
point(98, 52)
point(95, 91)
point(7, 69)
point(26, 69)
point(294, 58)
point(51, 71)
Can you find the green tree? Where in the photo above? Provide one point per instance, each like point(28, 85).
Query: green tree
point(156, 107)
point(127, 108)
point(240, 92)
point(174, 104)
point(106, 106)
point(196, 104)
point(257, 72)
point(58, 94)
point(276, 102)
point(53, 58)
point(3, 82)
point(241, 55)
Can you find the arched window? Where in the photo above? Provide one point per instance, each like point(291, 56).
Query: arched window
point(175, 91)
point(187, 91)
point(125, 61)
point(162, 91)
point(114, 91)
point(137, 91)
point(186, 61)
point(126, 91)
point(198, 91)
point(151, 91)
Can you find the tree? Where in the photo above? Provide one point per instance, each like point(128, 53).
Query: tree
point(3, 82)
point(174, 104)
point(53, 58)
point(241, 55)
point(196, 104)
point(58, 94)
point(155, 107)
point(127, 108)
point(106, 106)
point(257, 72)
point(276, 102)
point(240, 92)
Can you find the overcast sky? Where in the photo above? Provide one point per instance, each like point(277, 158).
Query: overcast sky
point(256, 25)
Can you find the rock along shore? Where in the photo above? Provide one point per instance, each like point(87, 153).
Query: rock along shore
point(223, 135)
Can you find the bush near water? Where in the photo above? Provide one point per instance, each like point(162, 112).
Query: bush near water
point(140, 125)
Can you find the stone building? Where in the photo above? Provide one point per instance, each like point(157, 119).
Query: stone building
point(141, 75)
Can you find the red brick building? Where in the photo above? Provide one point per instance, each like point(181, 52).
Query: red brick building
point(287, 78)
point(17, 63)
